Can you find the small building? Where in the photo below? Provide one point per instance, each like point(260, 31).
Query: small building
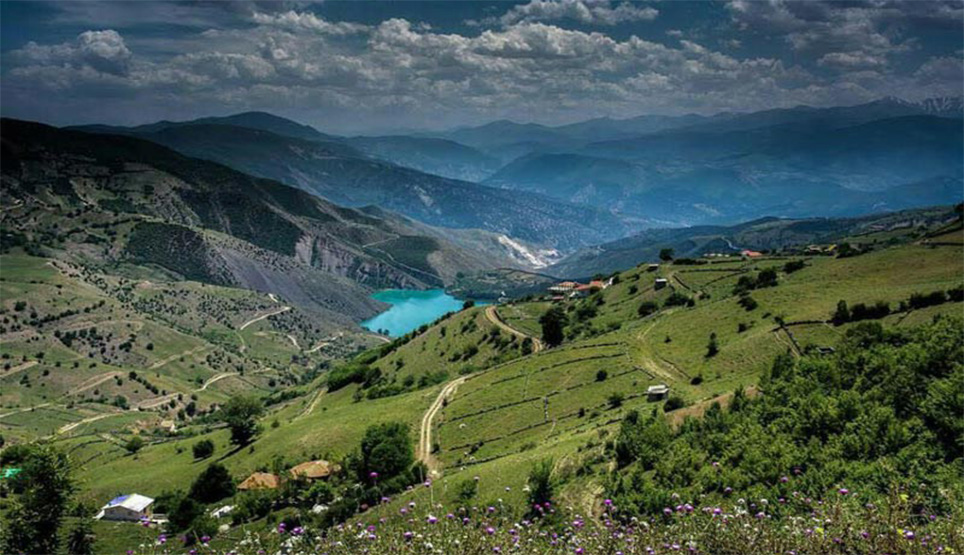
point(652, 267)
point(315, 470)
point(564, 287)
point(222, 512)
point(657, 392)
point(751, 254)
point(660, 283)
point(260, 480)
point(133, 507)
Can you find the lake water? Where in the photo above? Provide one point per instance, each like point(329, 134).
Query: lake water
point(410, 309)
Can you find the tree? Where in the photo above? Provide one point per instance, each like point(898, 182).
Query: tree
point(712, 347)
point(526, 346)
point(468, 304)
point(601, 376)
point(241, 415)
point(134, 444)
point(647, 308)
point(553, 325)
point(615, 400)
point(385, 450)
point(33, 520)
point(214, 484)
point(203, 449)
point(666, 255)
point(80, 541)
point(842, 314)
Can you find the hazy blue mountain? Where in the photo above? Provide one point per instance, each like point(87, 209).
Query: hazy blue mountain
point(806, 168)
point(252, 120)
point(340, 173)
point(428, 154)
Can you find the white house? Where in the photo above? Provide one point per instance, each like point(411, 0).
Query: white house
point(660, 283)
point(656, 392)
point(127, 507)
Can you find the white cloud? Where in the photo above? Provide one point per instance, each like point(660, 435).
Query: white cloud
point(307, 21)
point(587, 12)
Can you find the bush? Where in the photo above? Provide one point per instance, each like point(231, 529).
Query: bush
point(647, 308)
point(134, 444)
point(385, 450)
point(203, 449)
point(553, 323)
point(793, 266)
point(540, 483)
point(601, 376)
point(466, 489)
point(241, 415)
point(678, 299)
point(673, 403)
point(748, 303)
point(615, 400)
point(213, 484)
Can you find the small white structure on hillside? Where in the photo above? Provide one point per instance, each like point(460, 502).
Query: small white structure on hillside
point(657, 392)
point(131, 507)
point(660, 283)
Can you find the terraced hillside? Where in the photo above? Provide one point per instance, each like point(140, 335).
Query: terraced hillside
point(487, 417)
point(85, 352)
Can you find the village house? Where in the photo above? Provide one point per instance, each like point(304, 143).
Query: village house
point(657, 392)
point(574, 289)
point(652, 267)
point(315, 470)
point(750, 254)
point(660, 283)
point(131, 507)
point(260, 480)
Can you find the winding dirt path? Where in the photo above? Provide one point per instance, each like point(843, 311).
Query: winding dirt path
point(493, 316)
point(424, 452)
point(263, 316)
point(172, 358)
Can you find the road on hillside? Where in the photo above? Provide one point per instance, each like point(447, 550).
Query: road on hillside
point(493, 316)
point(263, 316)
point(424, 452)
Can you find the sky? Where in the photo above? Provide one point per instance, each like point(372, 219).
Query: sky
point(363, 67)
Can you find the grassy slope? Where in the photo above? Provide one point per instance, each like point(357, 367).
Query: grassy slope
point(184, 334)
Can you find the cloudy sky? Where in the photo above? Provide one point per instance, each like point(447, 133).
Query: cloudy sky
point(366, 67)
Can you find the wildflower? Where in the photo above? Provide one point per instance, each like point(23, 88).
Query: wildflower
point(431, 519)
point(784, 479)
point(489, 530)
point(843, 491)
point(909, 534)
point(373, 475)
point(298, 530)
point(281, 528)
point(608, 502)
point(205, 539)
point(408, 535)
point(162, 539)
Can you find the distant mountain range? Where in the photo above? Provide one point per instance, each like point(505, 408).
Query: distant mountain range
point(340, 172)
point(198, 220)
point(570, 186)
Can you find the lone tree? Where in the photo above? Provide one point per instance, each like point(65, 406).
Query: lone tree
point(134, 444)
point(553, 324)
point(203, 449)
point(712, 347)
point(666, 255)
point(241, 415)
point(842, 314)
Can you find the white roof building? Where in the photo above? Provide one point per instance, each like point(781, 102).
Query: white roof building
point(126, 507)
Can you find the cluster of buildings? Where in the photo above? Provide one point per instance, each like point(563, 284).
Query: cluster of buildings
point(135, 507)
point(575, 290)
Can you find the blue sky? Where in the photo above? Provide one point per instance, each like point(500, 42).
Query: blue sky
point(368, 67)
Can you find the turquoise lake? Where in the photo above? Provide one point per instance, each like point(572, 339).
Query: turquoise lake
point(410, 309)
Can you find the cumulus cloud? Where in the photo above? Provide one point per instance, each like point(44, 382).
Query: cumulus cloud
point(587, 12)
point(307, 21)
point(101, 51)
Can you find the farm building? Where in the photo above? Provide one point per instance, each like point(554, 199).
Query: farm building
point(751, 254)
point(652, 267)
point(660, 283)
point(260, 480)
point(657, 392)
point(564, 287)
point(131, 507)
point(315, 470)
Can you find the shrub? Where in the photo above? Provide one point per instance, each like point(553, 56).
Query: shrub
point(647, 308)
point(134, 444)
point(601, 376)
point(673, 403)
point(793, 266)
point(203, 449)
